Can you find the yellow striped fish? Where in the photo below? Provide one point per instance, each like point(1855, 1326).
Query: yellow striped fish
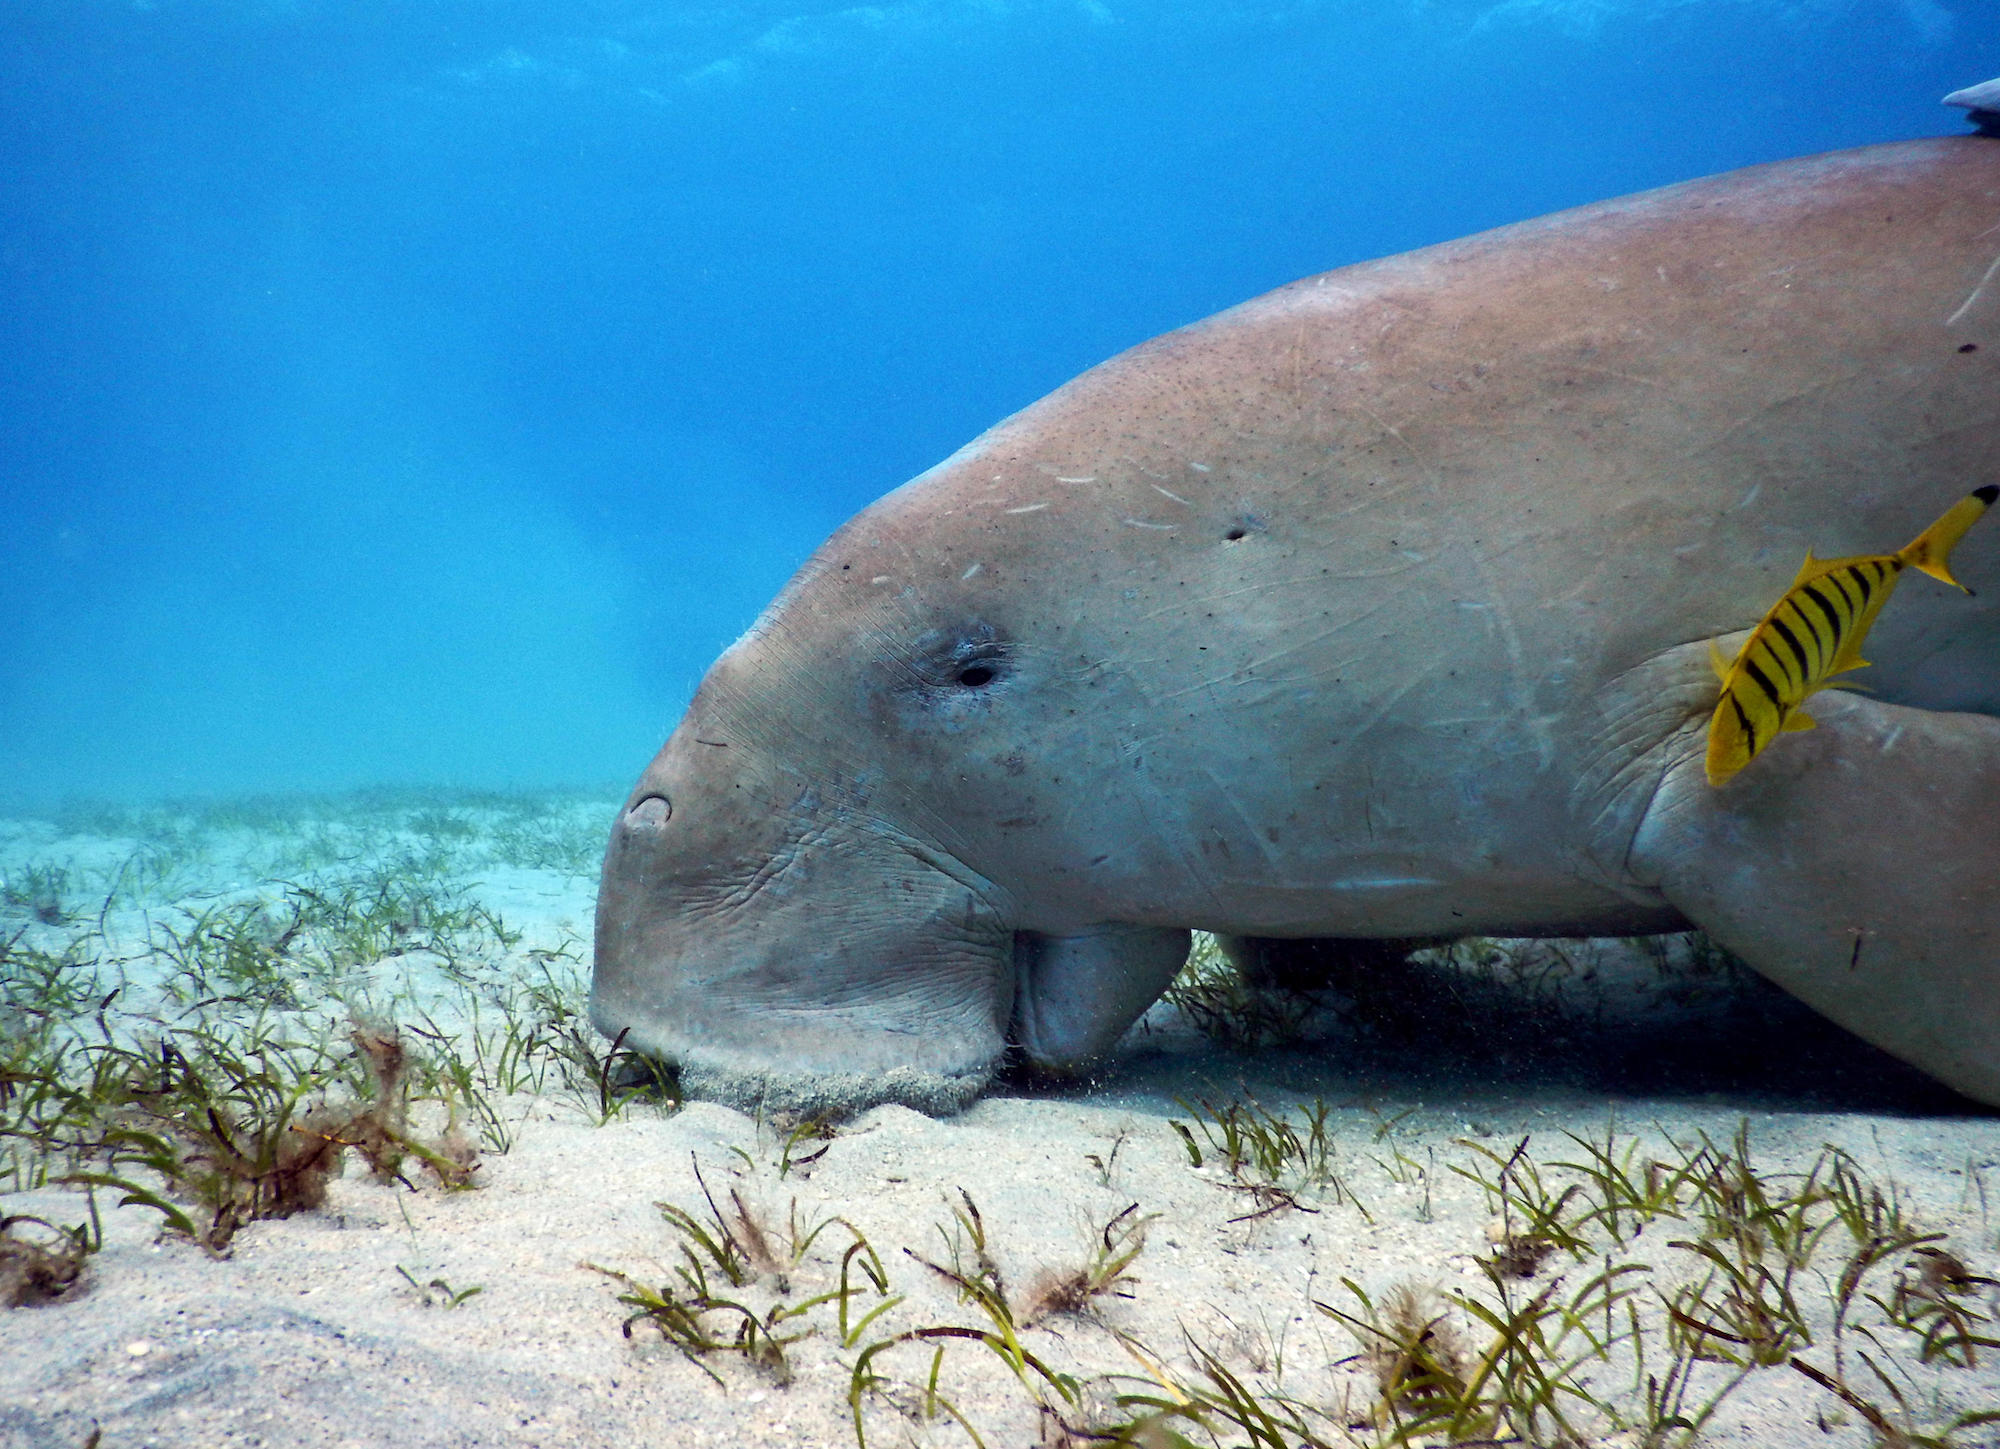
point(1814, 632)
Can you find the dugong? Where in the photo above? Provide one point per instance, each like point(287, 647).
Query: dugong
point(1379, 607)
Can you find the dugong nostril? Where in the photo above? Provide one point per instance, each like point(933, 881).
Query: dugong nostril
point(650, 813)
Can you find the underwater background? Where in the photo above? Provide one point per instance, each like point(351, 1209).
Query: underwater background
point(424, 391)
point(401, 404)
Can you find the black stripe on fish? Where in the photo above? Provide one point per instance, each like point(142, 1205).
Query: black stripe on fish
point(1822, 651)
point(1822, 647)
point(1743, 719)
point(1763, 682)
point(1764, 650)
point(1839, 579)
point(1784, 632)
point(1834, 616)
point(1987, 494)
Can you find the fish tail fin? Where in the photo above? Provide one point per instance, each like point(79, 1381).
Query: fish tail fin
point(1930, 551)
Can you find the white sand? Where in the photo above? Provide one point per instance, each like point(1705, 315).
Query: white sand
point(307, 1333)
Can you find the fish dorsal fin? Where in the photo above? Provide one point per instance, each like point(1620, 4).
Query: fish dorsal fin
point(1819, 568)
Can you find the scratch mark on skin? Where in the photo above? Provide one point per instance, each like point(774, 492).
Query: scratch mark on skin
point(1171, 494)
point(971, 571)
point(1407, 562)
point(1061, 479)
point(1029, 508)
point(1375, 716)
point(1330, 458)
point(1522, 690)
point(1199, 467)
point(1250, 831)
point(1380, 495)
point(1430, 469)
point(1271, 684)
point(1611, 372)
point(1198, 687)
point(1170, 826)
point(1285, 651)
point(1724, 436)
point(1296, 362)
point(1165, 527)
point(1260, 586)
point(1446, 723)
point(883, 579)
point(1978, 292)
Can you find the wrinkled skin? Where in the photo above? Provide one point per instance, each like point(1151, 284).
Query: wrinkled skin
point(1377, 607)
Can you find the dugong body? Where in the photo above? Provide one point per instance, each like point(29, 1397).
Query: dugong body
point(1380, 606)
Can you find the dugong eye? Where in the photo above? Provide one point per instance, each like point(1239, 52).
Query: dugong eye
point(955, 663)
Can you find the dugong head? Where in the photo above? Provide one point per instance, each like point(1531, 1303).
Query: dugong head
point(849, 876)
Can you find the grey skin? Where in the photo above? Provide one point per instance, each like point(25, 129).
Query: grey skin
point(1377, 607)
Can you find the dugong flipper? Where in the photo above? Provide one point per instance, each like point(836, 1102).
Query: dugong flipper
point(1857, 868)
point(1378, 607)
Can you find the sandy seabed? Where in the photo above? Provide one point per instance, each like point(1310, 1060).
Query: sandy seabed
point(356, 1323)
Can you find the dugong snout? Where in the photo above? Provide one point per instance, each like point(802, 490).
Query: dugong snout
point(809, 957)
point(796, 962)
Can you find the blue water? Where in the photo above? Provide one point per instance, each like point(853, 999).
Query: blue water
point(426, 390)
